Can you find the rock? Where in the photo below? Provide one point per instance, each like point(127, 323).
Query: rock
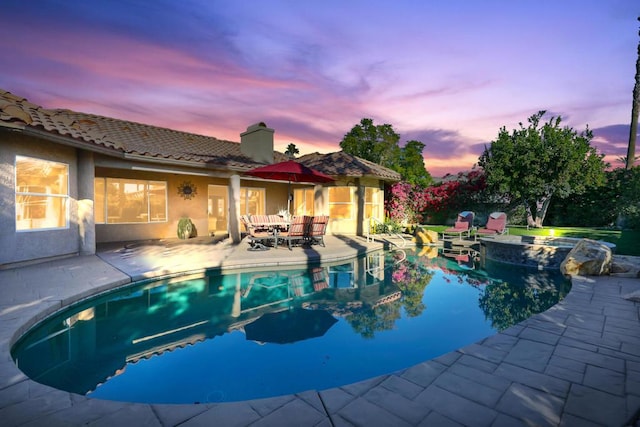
point(422, 236)
point(625, 266)
point(587, 258)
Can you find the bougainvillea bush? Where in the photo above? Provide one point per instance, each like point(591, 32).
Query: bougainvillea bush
point(411, 204)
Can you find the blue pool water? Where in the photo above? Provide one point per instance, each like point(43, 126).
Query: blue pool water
point(255, 334)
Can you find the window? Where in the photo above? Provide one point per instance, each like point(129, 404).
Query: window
point(217, 207)
point(42, 194)
point(303, 201)
point(373, 199)
point(252, 201)
point(340, 203)
point(126, 201)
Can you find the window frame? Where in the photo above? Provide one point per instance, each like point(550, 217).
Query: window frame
point(263, 195)
point(349, 203)
point(377, 205)
point(302, 193)
point(63, 197)
point(147, 183)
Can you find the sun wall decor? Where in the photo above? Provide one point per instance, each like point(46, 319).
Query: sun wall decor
point(187, 190)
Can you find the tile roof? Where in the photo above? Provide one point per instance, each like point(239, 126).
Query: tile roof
point(343, 164)
point(123, 137)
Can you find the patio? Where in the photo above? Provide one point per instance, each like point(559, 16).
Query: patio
point(576, 364)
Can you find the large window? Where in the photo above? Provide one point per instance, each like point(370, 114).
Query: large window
point(42, 194)
point(125, 201)
point(373, 199)
point(303, 201)
point(340, 202)
point(252, 201)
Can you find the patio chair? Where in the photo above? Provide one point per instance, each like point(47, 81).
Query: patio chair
point(318, 229)
point(496, 224)
point(462, 226)
point(464, 257)
point(320, 278)
point(296, 283)
point(295, 233)
point(260, 222)
point(257, 238)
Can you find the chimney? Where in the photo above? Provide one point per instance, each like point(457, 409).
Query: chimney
point(257, 143)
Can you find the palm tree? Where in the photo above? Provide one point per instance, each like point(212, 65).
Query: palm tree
point(292, 150)
point(623, 160)
point(633, 131)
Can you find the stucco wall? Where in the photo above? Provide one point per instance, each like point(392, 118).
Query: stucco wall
point(358, 223)
point(178, 207)
point(20, 246)
point(17, 247)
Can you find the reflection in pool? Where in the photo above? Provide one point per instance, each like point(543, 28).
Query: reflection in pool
point(256, 334)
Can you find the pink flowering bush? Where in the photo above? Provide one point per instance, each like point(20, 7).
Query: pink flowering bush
point(414, 204)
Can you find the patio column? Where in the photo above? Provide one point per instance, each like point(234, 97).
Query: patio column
point(234, 209)
point(86, 218)
point(359, 208)
point(319, 204)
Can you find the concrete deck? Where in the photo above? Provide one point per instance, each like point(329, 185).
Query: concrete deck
point(577, 364)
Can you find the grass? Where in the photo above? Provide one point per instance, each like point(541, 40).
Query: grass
point(627, 241)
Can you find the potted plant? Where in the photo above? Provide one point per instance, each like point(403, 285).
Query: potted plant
point(186, 228)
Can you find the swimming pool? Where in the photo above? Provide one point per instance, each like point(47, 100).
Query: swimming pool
point(200, 339)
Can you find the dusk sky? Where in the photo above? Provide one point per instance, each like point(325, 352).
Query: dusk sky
point(447, 73)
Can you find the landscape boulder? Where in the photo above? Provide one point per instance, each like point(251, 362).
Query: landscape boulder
point(625, 266)
point(587, 258)
point(422, 236)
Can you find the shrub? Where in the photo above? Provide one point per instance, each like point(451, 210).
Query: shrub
point(186, 228)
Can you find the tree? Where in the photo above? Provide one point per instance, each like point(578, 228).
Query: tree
point(411, 164)
point(531, 165)
point(633, 131)
point(617, 201)
point(292, 150)
point(378, 144)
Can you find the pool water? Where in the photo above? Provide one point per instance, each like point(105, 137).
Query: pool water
point(254, 334)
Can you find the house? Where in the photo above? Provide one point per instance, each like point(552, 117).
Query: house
point(71, 180)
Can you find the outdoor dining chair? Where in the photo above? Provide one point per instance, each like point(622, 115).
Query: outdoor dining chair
point(295, 233)
point(257, 238)
point(318, 229)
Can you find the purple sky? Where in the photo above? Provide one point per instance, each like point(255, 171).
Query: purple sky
point(447, 73)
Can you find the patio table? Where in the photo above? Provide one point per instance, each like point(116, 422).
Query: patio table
point(275, 228)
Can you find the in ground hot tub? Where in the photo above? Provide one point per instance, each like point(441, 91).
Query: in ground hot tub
point(532, 251)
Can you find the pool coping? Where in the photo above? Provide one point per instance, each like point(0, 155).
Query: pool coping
point(575, 364)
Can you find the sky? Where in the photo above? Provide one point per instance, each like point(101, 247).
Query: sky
point(449, 73)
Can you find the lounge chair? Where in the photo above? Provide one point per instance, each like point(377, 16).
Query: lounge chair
point(496, 224)
point(462, 226)
point(464, 257)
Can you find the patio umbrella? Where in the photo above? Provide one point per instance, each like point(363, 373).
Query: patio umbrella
point(290, 171)
point(289, 326)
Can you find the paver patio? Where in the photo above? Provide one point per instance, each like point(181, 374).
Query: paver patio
point(577, 364)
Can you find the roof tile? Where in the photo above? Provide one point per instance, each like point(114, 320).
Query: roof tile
point(123, 136)
point(343, 164)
